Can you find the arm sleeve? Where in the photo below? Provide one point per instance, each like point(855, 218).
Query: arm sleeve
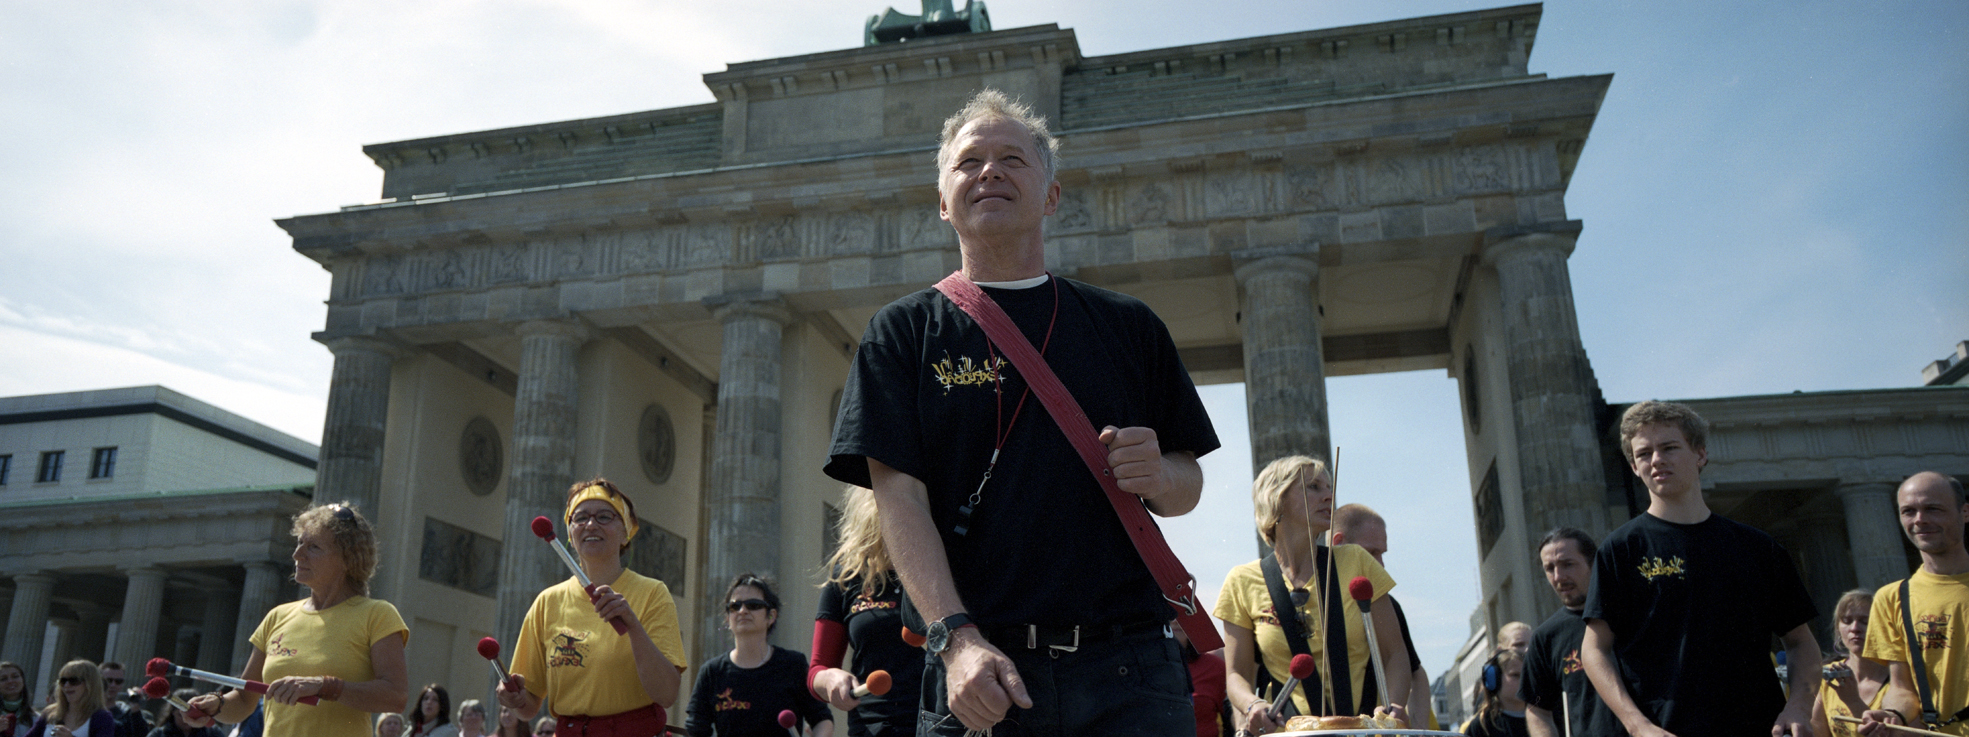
point(1538, 676)
point(1885, 642)
point(877, 418)
point(697, 717)
point(1230, 602)
point(810, 708)
point(659, 617)
point(384, 620)
point(529, 656)
point(102, 722)
point(1791, 603)
point(1180, 421)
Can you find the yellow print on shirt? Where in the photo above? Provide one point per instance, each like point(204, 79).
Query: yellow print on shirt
point(727, 703)
point(966, 372)
point(1653, 568)
point(274, 648)
point(1932, 631)
point(565, 652)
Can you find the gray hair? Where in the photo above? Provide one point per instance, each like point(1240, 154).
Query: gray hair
point(471, 705)
point(991, 104)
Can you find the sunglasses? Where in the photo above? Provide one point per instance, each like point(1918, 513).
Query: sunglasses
point(69, 680)
point(117, 681)
point(752, 604)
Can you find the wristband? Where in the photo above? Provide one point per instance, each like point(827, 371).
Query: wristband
point(1898, 715)
point(331, 688)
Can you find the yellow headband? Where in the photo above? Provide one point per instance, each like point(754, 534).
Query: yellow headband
point(597, 491)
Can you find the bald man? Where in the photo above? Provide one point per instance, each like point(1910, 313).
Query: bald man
point(1933, 512)
point(1356, 524)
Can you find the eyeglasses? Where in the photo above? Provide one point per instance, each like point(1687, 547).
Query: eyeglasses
point(69, 680)
point(752, 604)
point(600, 519)
point(113, 681)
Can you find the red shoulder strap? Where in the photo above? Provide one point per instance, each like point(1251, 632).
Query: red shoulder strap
point(1177, 586)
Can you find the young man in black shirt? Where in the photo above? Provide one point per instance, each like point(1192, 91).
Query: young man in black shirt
point(1559, 699)
point(1683, 603)
point(1042, 617)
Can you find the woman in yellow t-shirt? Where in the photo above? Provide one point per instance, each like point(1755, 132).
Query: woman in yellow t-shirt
point(599, 683)
point(338, 644)
point(1853, 684)
point(1292, 502)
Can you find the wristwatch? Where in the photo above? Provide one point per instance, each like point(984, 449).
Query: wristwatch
point(937, 639)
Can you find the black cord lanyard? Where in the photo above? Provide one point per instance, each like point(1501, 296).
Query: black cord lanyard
point(1001, 430)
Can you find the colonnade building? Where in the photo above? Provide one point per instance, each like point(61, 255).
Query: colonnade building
point(139, 523)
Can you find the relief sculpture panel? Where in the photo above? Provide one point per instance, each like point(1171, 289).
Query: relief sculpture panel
point(1232, 193)
point(1148, 204)
point(1481, 169)
point(1073, 214)
point(507, 264)
point(851, 233)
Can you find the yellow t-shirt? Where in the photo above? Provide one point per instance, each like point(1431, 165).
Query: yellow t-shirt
point(1245, 601)
point(577, 662)
point(332, 642)
point(1941, 622)
point(1836, 707)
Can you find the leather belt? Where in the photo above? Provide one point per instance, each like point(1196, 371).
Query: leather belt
point(1067, 639)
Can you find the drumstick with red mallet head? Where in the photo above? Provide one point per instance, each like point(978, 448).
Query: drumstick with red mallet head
point(544, 529)
point(1363, 592)
point(158, 688)
point(489, 649)
point(161, 668)
point(877, 683)
point(1301, 669)
point(787, 720)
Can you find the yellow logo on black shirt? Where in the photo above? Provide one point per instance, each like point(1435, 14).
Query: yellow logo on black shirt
point(727, 703)
point(1653, 568)
point(966, 372)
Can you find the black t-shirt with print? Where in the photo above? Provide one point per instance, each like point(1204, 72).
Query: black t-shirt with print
point(1553, 667)
point(1693, 610)
point(746, 702)
point(926, 396)
point(874, 624)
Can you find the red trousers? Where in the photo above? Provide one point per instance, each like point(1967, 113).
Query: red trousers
point(648, 721)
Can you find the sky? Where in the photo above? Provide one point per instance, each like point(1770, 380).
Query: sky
point(1775, 197)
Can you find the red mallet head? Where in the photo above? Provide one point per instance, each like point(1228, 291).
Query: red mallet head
point(913, 639)
point(1302, 666)
point(543, 528)
point(157, 688)
point(1361, 589)
point(158, 667)
point(786, 718)
point(488, 648)
point(878, 682)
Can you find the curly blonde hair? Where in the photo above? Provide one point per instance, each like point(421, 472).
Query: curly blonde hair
point(1268, 490)
point(861, 555)
point(352, 533)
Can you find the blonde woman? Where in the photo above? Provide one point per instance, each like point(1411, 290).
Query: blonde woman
point(861, 605)
point(78, 709)
point(1853, 685)
point(389, 724)
point(337, 644)
point(1292, 501)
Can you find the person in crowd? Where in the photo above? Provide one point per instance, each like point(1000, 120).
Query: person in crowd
point(16, 703)
point(1206, 683)
point(568, 652)
point(861, 604)
point(1930, 683)
point(78, 709)
point(1683, 602)
point(1853, 684)
point(1304, 585)
point(174, 722)
point(1515, 635)
point(390, 724)
point(471, 719)
point(510, 723)
point(1555, 685)
point(741, 693)
point(544, 727)
point(1358, 524)
point(118, 697)
point(431, 715)
point(337, 644)
point(983, 499)
point(1503, 712)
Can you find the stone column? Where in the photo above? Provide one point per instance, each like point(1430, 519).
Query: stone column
point(1559, 466)
point(741, 494)
point(215, 631)
point(1874, 529)
point(143, 605)
point(542, 466)
point(256, 598)
point(352, 436)
point(27, 621)
point(1284, 366)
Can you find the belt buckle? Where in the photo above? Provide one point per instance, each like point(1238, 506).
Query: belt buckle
point(1055, 650)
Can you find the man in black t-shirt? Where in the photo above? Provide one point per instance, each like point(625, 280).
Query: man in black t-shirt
point(1006, 543)
point(1683, 603)
point(1559, 699)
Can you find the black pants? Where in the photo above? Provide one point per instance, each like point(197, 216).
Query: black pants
point(1133, 684)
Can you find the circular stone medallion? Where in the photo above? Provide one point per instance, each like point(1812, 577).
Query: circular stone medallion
point(481, 457)
point(656, 444)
